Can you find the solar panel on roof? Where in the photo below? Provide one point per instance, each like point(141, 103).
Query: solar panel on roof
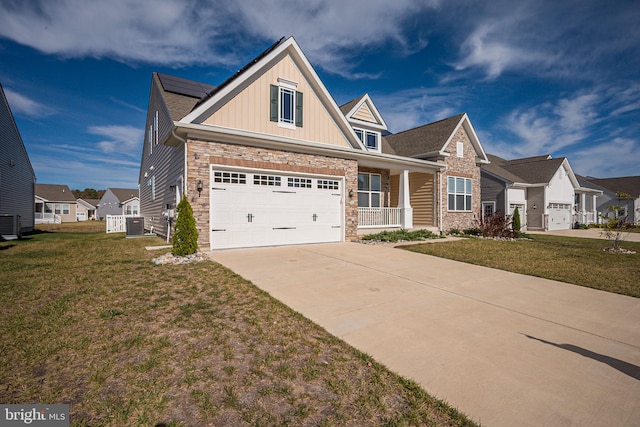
point(183, 86)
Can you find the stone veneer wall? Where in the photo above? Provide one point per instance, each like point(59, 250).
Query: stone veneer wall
point(464, 167)
point(201, 154)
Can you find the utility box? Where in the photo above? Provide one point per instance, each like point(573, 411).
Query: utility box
point(135, 226)
point(10, 227)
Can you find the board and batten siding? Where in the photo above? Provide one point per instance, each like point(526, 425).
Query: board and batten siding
point(250, 109)
point(17, 179)
point(161, 163)
point(421, 197)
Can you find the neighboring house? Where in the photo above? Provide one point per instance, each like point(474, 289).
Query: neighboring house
point(17, 177)
point(87, 209)
point(623, 192)
point(119, 201)
point(268, 158)
point(54, 204)
point(543, 189)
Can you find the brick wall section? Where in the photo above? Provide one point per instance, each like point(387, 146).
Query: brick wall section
point(464, 167)
point(201, 154)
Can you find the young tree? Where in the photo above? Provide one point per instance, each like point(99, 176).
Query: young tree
point(185, 236)
point(516, 221)
point(616, 229)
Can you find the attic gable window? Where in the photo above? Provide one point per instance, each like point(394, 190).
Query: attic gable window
point(370, 139)
point(286, 104)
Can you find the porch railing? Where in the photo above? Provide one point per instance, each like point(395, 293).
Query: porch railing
point(584, 218)
point(379, 217)
point(47, 218)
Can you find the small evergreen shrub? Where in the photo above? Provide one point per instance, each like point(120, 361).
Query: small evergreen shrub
point(472, 232)
point(516, 221)
point(185, 236)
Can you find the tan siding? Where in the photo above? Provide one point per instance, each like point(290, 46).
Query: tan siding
point(249, 110)
point(420, 196)
point(365, 114)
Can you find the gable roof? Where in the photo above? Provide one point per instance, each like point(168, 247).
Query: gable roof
point(528, 170)
point(54, 193)
point(219, 96)
point(431, 139)
point(88, 203)
point(625, 184)
point(353, 107)
point(125, 194)
point(181, 95)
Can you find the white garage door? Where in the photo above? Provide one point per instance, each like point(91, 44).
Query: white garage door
point(559, 216)
point(258, 208)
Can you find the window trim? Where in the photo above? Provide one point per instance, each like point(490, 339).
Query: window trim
point(457, 194)
point(459, 149)
point(276, 110)
point(362, 135)
point(369, 192)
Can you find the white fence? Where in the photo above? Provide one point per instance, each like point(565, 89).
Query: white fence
point(379, 217)
point(47, 218)
point(116, 223)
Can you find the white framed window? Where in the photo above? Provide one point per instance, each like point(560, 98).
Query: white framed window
point(459, 192)
point(286, 104)
point(488, 209)
point(155, 128)
point(370, 139)
point(460, 149)
point(150, 139)
point(65, 209)
point(151, 182)
point(369, 190)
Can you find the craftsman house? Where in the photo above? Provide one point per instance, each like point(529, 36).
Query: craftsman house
point(268, 158)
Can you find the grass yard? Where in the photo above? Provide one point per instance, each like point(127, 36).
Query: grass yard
point(573, 260)
point(89, 320)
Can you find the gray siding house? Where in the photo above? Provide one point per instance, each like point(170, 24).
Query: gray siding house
point(17, 177)
point(620, 191)
point(119, 201)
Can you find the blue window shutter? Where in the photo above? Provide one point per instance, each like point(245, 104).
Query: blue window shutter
point(299, 109)
point(274, 103)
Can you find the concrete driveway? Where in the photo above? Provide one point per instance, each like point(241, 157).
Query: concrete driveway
point(506, 349)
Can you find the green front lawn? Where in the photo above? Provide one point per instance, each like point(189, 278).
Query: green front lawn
point(88, 320)
point(572, 260)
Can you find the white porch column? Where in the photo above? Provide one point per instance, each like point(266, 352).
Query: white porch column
point(583, 208)
point(406, 211)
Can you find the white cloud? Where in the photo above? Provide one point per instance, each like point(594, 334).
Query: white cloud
point(20, 104)
point(618, 157)
point(120, 139)
point(211, 32)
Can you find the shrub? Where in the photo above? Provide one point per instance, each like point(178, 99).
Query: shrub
point(185, 236)
point(516, 221)
point(472, 232)
point(498, 225)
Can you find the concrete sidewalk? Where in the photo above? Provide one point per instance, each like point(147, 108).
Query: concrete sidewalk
point(506, 349)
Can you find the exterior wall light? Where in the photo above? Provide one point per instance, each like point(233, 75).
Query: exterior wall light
point(199, 188)
point(351, 193)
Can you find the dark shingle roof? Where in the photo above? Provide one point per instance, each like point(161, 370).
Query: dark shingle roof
point(421, 140)
point(529, 170)
point(54, 193)
point(124, 194)
point(345, 108)
point(625, 184)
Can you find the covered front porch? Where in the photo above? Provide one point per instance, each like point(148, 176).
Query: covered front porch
point(396, 197)
point(585, 206)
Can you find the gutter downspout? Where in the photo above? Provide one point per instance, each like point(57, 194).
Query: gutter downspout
point(184, 182)
point(439, 179)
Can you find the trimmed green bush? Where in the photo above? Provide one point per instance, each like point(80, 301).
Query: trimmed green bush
point(516, 221)
point(185, 236)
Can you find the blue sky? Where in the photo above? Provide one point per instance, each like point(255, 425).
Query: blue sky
point(536, 77)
